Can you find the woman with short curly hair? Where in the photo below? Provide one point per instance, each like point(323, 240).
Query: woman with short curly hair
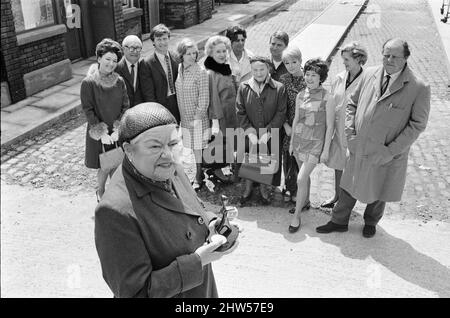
point(312, 129)
point(104, 99)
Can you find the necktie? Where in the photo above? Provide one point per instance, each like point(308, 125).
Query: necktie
point(385, 84)
point(169, 74)
point(132, 75)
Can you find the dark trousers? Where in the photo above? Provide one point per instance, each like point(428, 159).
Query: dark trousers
point(172, 106)
point(343, 208)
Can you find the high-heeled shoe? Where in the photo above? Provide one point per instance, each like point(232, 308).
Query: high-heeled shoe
point(329, 204)
point(293, 229)
point(97, 194)
point(307, 206)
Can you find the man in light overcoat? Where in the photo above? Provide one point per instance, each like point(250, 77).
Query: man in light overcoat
point(384, 116)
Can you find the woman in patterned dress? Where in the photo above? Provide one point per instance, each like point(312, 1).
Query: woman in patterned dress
point(294, 82)
point(353, 56)
point(313, 128)
point(193, 101)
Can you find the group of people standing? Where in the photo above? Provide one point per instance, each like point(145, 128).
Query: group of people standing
point(153, 236)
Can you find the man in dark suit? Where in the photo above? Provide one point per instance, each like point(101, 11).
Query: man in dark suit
point(278, 43)
point(129, 68)
point(159, 72)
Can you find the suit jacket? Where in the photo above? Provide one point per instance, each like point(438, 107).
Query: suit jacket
point(146, 238)
point(276, 73)
point(154, 81)
point(383, 125)
point(134, 95)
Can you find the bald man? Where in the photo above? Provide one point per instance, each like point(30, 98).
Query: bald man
point(129, 68)
point(384, 116)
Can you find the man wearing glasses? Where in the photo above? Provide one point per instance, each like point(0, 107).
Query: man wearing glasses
point(384, 116)
point(129, 66)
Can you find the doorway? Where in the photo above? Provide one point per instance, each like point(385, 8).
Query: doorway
point(70, 13)
point(153, 12)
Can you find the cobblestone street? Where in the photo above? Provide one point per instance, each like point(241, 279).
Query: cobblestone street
point(50, 168)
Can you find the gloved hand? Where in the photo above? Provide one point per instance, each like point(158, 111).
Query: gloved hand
point(107, 139)
point(98, 130)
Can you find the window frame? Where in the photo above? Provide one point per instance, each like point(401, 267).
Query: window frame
point(55, 19)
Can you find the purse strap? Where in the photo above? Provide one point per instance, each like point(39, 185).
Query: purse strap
point(103, 146)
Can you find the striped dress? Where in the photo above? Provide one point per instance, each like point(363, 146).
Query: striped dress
point(309, 132)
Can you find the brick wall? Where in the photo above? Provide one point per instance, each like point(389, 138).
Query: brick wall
point(11, 53)
point(119, 22)
point(42, 53)
point(180, 14)
point(205, 10)
point(145, 20)
point(133, 26)
point(235, 1)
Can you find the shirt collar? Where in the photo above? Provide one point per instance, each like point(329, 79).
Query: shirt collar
point(162, 56)
point(234, 58)
point(255, 86)
point(393, 76)
point(129, 64)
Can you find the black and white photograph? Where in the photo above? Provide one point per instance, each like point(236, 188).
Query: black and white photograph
point(243, 150)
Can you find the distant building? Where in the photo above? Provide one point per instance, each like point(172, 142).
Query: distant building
point(41, 38)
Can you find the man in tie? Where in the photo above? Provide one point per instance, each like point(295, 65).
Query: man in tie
point(278, 43)
point(159, 72)
point(129, 67)
point(384, 116)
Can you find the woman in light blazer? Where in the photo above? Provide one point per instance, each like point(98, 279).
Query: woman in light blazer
point(354, 56)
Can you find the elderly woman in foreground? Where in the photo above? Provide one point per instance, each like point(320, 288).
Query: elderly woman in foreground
point(151, 232)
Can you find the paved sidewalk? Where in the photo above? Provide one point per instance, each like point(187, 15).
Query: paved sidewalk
point(443, 29)
point(321, 37)
point(41, 110)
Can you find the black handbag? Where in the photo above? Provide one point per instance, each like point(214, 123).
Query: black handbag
point(259, 168)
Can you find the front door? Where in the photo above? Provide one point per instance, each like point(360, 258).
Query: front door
point(71, 17)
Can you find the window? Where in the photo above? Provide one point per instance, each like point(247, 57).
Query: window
point(130, 4)
point(32, 14)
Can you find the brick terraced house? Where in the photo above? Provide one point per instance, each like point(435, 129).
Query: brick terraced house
point(41, 38)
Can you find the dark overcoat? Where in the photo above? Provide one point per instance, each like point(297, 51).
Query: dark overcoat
point(146, 238)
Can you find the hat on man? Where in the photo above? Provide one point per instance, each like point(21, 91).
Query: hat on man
point(142, 117)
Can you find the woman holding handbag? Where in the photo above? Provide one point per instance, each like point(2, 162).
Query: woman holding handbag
point(261, 111)
point(104, 99)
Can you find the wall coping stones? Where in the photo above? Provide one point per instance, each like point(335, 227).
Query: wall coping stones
point(131, 13)
point(39, 34)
